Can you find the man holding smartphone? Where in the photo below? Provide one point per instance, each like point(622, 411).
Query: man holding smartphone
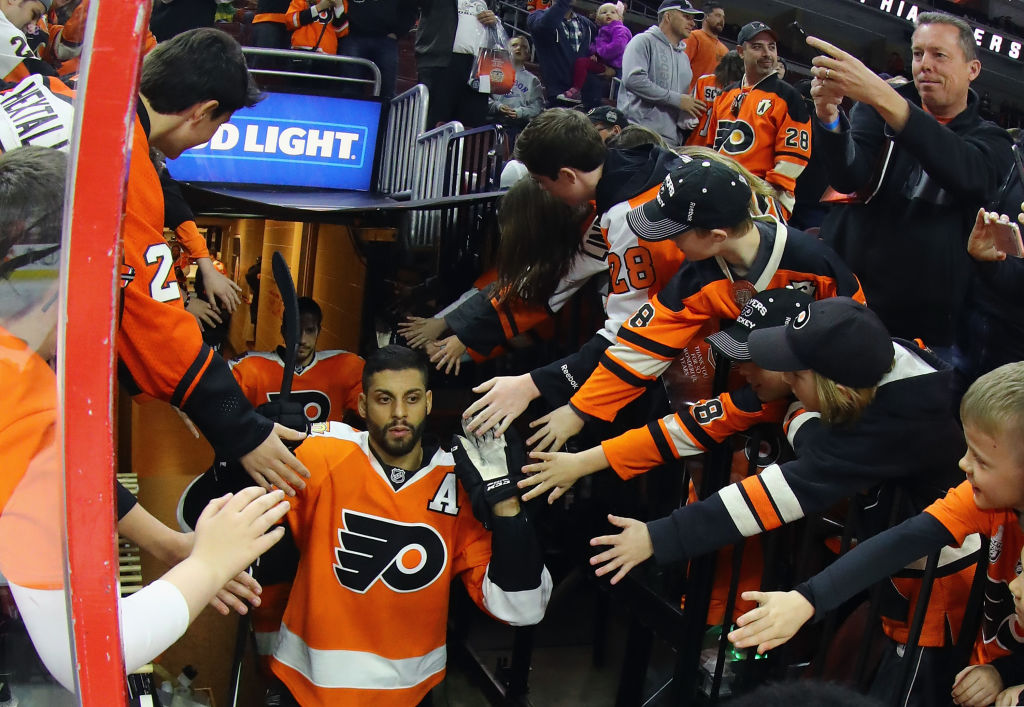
point(929, 162)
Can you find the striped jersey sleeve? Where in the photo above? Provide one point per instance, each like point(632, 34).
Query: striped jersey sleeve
point(691, 432)
point(779, 495)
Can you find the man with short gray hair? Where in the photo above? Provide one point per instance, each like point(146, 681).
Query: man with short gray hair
point(917, 162)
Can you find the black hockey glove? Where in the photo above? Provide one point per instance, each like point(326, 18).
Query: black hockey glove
point(490, 469)
point(289, 414)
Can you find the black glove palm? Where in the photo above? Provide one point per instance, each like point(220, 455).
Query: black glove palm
point(489, 469)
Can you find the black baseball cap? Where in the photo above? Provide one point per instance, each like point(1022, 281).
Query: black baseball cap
point(837, 337)
point(682, 6)
point(609, 115)
point(771, 308)
point(699, 194)
point(752, 29)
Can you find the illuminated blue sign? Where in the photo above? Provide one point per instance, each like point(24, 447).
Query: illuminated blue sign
point(289, 140)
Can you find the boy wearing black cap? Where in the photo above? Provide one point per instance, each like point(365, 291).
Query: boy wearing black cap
point(703, 208)
point(762, 122)
point(763, 399)
point(877, 416)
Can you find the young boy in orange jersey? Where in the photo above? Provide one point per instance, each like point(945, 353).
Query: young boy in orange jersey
point(384, 525)
point(703, 208)
point(989, 502)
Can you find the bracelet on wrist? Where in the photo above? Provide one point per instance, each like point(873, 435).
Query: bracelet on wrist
point(833, 125)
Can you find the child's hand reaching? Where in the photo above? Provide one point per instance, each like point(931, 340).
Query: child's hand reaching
point(419, 331)
point(1010, 696)
point(556, 471)
point(628, 549)
point(230, 534)
point(778, 616)
point(977, 686)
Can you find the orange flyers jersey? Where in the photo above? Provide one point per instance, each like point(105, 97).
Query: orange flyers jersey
point(366, 619)
point(192, 240)
point(327, 387)
point(153, 313)
point(321, 32)
point(159, 345)
point(704, 89)
point(637, 270)
point(31, 549)
point(689, 433)
point(701, 291)
point(767, 129)
point(1001, 630)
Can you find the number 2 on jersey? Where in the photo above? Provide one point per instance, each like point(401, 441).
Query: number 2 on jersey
point(161, 288)
point(639, 273)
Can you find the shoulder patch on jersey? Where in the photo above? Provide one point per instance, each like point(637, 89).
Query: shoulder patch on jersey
point(406, 557)
point(764, 105)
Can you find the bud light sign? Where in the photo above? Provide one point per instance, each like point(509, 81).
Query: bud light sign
point(289, 140)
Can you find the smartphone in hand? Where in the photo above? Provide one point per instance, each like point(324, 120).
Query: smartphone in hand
point(1006, 238)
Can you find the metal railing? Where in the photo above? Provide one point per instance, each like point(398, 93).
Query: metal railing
point(407, 120)
point(428, 178)
point(293, 64)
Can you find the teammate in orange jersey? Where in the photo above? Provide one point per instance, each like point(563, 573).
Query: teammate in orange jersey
point(326, 383)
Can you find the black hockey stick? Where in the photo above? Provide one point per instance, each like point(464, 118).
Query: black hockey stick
point(290, 322)
point(290, 328)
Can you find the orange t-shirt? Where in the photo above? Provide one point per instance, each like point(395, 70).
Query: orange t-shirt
point(705, 51)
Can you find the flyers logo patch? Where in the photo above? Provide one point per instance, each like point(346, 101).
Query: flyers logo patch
point(315, 404)
point(734, 137)
point(406, 557)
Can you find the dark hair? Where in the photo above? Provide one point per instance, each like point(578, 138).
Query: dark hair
point(559, 138)
point(202, 64)
point(710, 6)
point(31, 197)
point(394, 358)
point(729, 69)
point(307, 305)
point(803, 692)
point(540, 236)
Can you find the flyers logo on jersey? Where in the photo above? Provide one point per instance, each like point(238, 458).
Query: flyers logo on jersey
point(734, 137)
point(406, 557)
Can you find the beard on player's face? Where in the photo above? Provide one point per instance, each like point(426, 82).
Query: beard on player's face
point(396, 447)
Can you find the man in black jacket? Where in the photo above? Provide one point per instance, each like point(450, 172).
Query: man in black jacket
point(921, 162)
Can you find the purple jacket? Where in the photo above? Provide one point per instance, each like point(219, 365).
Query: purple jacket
point(611, 41)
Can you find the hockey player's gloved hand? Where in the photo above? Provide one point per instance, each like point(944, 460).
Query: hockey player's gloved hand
point(290, 414)
point(490, 469)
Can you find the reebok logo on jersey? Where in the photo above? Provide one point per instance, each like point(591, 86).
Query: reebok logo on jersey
point(568, 377)
point(406, 557)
